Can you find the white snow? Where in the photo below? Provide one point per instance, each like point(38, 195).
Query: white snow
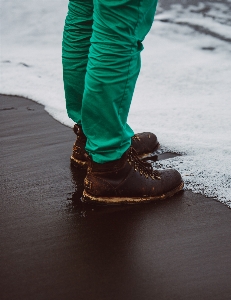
point(183, 93)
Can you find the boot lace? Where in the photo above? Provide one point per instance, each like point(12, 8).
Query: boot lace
point(143, 167)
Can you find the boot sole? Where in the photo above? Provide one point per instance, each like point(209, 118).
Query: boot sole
point(81, 164)
point(129, 200)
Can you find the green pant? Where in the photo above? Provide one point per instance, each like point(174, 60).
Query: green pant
point(102, 41)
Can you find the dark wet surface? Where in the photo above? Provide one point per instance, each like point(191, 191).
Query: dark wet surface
point(55, 247)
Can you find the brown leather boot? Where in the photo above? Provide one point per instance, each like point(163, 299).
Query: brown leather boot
point(129, 180)
point(144, 143)
point(78, 157)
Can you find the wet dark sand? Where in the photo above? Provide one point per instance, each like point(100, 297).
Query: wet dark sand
point(55, 247)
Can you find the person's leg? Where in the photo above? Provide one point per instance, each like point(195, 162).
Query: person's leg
point(113, 66)
point(112, 70)
point(76, 43)
point(75, 49)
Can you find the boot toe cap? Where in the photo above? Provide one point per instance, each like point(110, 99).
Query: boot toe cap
point(171, 179)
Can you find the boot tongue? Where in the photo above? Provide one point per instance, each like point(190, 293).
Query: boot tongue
point(79, 132)
point(76, 129)
point(109, 166)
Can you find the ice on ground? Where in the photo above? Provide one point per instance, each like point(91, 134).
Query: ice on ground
point(183, 92)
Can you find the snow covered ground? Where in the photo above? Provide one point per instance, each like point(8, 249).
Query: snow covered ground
point(183, 93)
